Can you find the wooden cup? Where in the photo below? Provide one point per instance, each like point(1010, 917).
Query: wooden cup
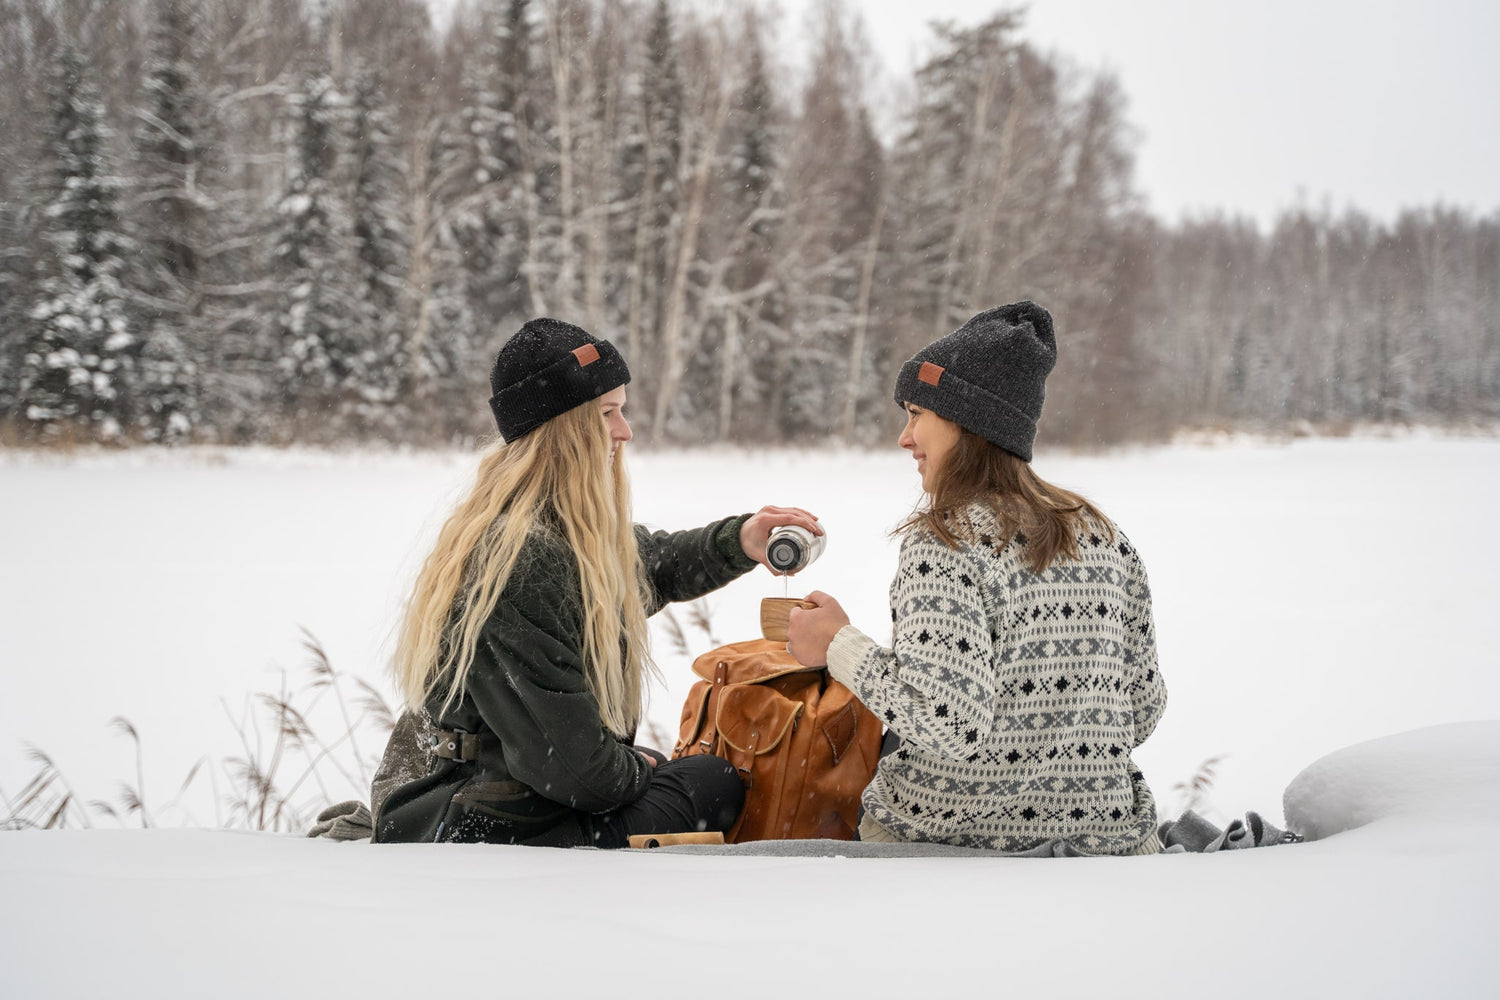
point(774, 614)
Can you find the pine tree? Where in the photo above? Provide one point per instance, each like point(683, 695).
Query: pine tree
point(13, 320)
point(169, 144)
point(172, 210)
point(438, 352)
point(513, 144)
point(490, 210)
point(380, 231)
point(78, 371)
point(319, 357)
point(481, 170)
point(19, 157)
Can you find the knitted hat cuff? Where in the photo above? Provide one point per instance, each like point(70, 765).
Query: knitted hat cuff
point(572, 380)
point(972, 407)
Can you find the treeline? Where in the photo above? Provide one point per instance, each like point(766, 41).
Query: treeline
point(283, 220)
point(1327, 321)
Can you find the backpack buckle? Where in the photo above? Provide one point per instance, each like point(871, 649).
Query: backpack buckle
point(455, 746)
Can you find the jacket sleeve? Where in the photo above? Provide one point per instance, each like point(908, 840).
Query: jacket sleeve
point(1148, 692)
point(684, 565)
point(936, 686)
point(528, 685)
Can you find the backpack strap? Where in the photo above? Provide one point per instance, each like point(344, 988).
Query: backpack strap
point(458, 746)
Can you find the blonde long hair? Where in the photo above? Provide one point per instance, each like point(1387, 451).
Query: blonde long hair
point(1046, 518)
point(563, 467)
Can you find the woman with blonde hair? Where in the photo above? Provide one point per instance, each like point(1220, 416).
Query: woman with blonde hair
point(1022, 671)
point(525, 636)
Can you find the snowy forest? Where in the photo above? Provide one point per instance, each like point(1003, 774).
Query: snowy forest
point(282, 221)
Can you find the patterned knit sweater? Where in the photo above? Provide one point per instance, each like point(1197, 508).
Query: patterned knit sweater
point(1018, 696)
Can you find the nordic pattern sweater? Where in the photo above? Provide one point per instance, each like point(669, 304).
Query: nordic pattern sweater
point(1018, 696)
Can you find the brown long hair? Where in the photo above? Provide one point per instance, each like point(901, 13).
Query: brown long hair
point(1046, 519)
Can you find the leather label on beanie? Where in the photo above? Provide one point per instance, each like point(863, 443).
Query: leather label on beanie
point(586, 355)
point(929, 373)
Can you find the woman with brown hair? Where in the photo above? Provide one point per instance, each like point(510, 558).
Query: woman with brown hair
point(525, 638)
point(1023, 670)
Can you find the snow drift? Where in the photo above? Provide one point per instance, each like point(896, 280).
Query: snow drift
point(1429, 778)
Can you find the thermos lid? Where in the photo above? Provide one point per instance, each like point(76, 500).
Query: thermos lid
point(791, 548)
point(784, 552)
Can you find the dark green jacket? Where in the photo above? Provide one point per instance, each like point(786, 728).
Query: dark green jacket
point(544, 753)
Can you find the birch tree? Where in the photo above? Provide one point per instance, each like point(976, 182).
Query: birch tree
point(652, 184)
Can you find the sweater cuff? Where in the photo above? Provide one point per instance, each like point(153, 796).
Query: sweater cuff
point(727, 543)
point(845, 653)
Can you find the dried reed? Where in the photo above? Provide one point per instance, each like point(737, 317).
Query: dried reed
point(1194, 792)
point(281, 755)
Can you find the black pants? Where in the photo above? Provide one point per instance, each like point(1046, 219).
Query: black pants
point(689, 795)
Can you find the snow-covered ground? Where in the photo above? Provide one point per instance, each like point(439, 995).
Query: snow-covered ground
point(1309, 597)
point(1402, 907)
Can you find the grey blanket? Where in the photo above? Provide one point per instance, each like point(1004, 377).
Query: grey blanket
point(350, 821)
point(1190, 833)
point(1196, 834)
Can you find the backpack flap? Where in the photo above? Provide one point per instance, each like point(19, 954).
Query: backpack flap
point(750, 662)
point(753, 720)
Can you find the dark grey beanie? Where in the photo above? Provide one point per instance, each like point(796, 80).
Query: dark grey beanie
point(546, 369)
point(987, 376)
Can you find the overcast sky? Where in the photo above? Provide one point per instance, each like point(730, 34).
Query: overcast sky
point(1256, 105)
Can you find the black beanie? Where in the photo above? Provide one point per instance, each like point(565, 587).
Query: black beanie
point(987, 376)
point(546, 369)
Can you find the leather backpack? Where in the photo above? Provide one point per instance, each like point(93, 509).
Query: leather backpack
point(804, 746)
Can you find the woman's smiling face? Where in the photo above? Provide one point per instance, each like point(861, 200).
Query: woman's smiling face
point(929, 438)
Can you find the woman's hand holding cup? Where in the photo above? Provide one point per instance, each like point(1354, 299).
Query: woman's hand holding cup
point(810, 630)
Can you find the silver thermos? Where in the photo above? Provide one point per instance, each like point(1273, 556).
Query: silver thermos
point(791, 549)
